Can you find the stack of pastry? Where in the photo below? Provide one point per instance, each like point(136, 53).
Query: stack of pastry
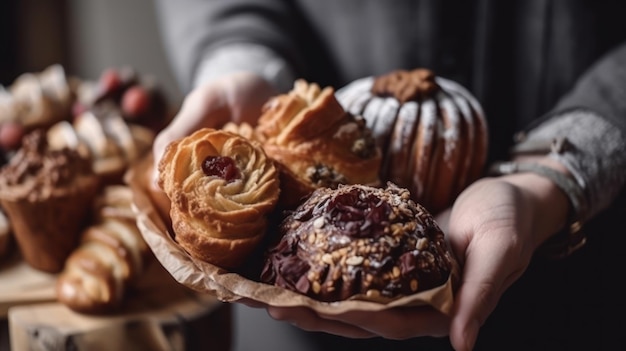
point(109, 258)
point(432, 132)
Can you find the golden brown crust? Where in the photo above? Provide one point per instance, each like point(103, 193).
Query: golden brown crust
point(317, 142)
point(215, 219)
point(111, 256)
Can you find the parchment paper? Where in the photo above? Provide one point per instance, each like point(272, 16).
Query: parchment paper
point(153, 222)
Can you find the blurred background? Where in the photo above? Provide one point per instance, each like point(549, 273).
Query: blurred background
point(85, 36)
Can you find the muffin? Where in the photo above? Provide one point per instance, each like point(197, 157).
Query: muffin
point(47, 195)
point(361, 242)
point(432, 132)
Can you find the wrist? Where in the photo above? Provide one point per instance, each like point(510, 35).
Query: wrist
point(550, 206)
point(558, 202)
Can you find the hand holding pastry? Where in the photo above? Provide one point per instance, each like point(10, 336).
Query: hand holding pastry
point(222, 187)
point(235, 98)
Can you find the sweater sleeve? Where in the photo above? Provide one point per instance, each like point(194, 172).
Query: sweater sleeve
point(592, 117)
point(206, 38)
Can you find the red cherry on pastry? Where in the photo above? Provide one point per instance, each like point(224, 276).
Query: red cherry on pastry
point(221, 166)
point(11, 135)
point(109, 81)
point(136, 101)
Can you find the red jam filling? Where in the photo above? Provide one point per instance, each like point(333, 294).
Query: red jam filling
point(221, 166)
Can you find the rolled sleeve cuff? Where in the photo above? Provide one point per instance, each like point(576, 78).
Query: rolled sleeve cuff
point(594, 153)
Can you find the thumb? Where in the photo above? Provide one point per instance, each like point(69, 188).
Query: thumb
point(476, 298)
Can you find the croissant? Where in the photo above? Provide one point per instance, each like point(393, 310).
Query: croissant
point(222, 188)
point(316, 142)
point(110, 257)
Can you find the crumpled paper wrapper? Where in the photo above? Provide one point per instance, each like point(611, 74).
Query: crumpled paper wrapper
point(243, 286)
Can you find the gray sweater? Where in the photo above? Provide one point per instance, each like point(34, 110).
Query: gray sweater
point(552, 68)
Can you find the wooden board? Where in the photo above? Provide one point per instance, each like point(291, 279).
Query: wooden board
point(20, 284)
point(158, 315)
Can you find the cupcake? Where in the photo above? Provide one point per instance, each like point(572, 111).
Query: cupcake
point(47, 195)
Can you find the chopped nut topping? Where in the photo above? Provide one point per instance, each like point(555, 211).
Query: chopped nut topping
point(372, 293)
point(422, 244)
point(318, 223)
point(327, 258)
point(354, 260)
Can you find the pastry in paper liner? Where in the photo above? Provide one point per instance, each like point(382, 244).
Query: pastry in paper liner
point(240, 286)
point(222, 189)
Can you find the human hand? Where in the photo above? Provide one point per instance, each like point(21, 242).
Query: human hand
point(494, 228)
point(234, 98)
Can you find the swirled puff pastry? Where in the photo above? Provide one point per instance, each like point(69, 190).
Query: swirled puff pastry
point(222, 187)
point(316, 142)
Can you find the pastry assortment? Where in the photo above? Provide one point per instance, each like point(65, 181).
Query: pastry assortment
point(359, 240)
point(222, 188)
point(65, 145)
point(431, 130)
point(347, 224)
point(345, 181)
point(111, 255)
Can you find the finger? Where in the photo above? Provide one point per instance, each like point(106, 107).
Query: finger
point(484, 281)
point(398, 323)
point(307, 319)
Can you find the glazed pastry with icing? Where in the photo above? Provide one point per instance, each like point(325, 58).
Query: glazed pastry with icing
point(360, 242)
point(222, 188)
point(432, 132)
point(316, 142)
point(111, 256)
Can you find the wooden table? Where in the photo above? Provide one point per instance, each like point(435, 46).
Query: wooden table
point(158, 314)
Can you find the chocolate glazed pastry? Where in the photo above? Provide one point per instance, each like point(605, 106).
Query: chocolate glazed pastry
point(359, 240)
point(432, 132)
